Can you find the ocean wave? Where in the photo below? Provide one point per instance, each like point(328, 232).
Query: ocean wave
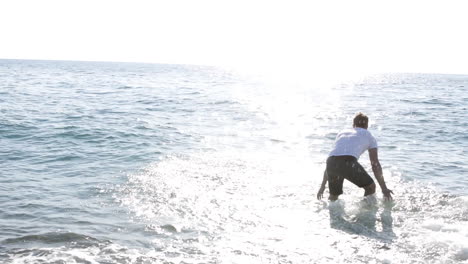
point(52, 238)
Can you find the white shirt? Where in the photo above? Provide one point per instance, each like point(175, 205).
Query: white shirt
point(353, 142)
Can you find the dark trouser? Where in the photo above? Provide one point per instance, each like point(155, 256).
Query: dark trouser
point(345, 167)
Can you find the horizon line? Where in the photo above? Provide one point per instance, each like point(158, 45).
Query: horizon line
point(204, 65)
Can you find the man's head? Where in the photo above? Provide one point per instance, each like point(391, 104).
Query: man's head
point(361, 120)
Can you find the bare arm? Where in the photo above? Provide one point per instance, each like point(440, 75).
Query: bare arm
point(322, 186)
point(377, 169)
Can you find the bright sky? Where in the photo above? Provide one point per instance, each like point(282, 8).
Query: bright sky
point(344, 36)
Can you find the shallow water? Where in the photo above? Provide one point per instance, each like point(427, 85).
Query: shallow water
point(149, 163)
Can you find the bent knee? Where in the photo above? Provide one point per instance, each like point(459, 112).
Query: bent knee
point(370, 188)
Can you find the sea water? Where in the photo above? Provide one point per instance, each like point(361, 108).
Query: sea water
point(152, 163)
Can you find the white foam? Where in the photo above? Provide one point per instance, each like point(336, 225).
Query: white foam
point(432, 225)
point(258, 209)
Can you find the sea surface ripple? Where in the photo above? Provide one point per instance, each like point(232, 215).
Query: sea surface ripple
point(106, 162)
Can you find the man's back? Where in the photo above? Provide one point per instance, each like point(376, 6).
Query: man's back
point(353, 142)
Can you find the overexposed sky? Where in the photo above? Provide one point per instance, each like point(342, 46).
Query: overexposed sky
point(344, 36)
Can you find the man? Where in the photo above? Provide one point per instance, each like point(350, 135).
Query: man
point(342, 162)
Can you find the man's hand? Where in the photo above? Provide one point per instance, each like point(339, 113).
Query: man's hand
point(322, 186)
point(320, 192)
point(387, 194)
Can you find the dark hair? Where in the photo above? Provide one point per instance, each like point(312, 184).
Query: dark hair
point(361, 120)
